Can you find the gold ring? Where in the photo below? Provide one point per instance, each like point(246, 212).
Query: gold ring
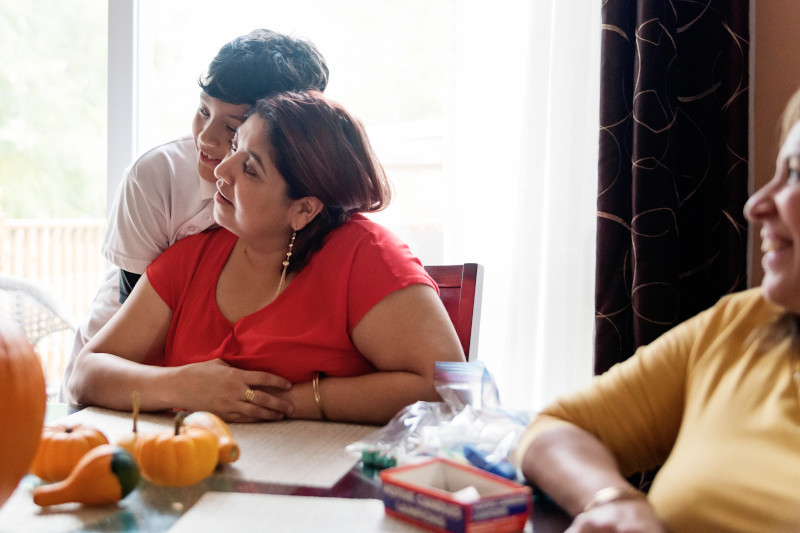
point(249, 395)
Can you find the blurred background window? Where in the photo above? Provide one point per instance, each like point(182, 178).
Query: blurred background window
point(53, 89)
point(484, 115)
point(53, 117)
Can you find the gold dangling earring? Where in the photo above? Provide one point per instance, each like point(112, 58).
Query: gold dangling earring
point(286, 264)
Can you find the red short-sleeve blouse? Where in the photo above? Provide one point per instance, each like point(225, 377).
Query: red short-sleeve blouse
point(303, 331)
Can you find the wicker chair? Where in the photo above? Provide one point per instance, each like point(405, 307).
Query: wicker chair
point(28, 304)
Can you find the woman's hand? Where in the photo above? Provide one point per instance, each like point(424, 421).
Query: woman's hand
point(623, 516)
point(106, 380)
point(233, 394)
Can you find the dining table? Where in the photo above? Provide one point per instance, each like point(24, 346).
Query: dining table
point(292, 476)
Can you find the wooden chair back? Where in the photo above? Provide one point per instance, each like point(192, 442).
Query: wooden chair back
point(460, 288)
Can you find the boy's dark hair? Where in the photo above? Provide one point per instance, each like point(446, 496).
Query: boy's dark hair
point(261, 63)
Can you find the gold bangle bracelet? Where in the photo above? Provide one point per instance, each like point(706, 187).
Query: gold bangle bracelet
point(317, 398)
point(613, 494)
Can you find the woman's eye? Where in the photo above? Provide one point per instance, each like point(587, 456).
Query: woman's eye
point(203, 112)
point(794, 170)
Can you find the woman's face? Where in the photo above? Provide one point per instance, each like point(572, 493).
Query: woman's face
point(252, 197)
point(776, 206)
point(213, 127)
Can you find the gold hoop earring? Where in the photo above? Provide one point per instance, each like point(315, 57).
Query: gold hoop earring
point(286, 264)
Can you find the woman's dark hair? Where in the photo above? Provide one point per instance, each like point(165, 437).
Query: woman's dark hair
point(323, 151)
point(261, 63)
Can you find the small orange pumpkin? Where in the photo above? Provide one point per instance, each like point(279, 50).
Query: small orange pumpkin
point(61, 447)
point(128, 441)
point(177, 458)
point(22, 406)
point(228, 448)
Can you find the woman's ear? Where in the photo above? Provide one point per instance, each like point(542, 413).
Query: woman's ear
point(305, 210)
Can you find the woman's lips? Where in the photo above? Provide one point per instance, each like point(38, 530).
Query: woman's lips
point(220, 198)
point(776, 252)
point(769, 244)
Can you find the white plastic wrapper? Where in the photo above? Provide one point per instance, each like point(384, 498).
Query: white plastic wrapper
point(469, 425)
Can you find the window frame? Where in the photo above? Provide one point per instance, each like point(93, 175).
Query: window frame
point(123, 38)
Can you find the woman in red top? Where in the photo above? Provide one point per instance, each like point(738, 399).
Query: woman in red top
point(298, 306)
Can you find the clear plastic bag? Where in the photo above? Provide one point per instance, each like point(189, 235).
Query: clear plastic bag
point(469, 425)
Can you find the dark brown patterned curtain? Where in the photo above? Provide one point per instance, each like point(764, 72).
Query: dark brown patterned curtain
point(671, 236)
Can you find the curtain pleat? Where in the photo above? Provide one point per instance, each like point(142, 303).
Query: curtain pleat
point(672, 167)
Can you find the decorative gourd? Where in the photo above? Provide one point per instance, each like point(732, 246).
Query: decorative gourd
point(177, 458)
point(105, 474)
point(61, 447)
point(22, 406)
point(228, 448)
point(128, 441)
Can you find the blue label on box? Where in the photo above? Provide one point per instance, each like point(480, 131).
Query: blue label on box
point(498, 508)
point(433, 511)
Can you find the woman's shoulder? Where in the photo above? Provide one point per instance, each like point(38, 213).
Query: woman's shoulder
point(736, 314)
point(746, 301)
point(360, 227)
point(210, 240)
point(198, 252)
point(361, 243)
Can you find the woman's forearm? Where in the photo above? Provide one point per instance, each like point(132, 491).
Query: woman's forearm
point(106, 380)
point(571, 466)
point(372, 398)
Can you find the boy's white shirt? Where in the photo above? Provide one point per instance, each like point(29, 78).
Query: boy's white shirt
point(161, 199)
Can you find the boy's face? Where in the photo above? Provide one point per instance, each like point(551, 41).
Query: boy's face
point(213, 127)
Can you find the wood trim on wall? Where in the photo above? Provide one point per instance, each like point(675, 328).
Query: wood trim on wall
point(775, 75)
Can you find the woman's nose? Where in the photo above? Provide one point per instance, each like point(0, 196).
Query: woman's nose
point(760, 205)
point(221, 171)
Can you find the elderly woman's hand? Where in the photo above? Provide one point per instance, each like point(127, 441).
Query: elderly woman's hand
point(623, 516)
point(233, 394)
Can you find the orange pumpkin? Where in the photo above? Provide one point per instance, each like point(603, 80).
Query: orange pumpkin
point(177, 458)
point(128, 441)
point(22, 406)
point(228, 448)
point(61, 447)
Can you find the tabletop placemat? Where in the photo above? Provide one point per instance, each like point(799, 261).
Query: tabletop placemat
point(295, 452)
point(230, 511)
point(291, 452)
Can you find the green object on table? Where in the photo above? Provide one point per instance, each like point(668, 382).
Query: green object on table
point(378, 459)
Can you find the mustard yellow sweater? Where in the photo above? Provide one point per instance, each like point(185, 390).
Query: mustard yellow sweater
point(720, 412)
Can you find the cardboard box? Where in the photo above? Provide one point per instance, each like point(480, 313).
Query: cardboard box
point(443, 495)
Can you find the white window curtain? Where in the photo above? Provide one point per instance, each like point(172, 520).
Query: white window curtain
point(518, 146)
point(522, 165)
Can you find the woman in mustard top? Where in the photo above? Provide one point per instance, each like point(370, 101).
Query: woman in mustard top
point(715, 402)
